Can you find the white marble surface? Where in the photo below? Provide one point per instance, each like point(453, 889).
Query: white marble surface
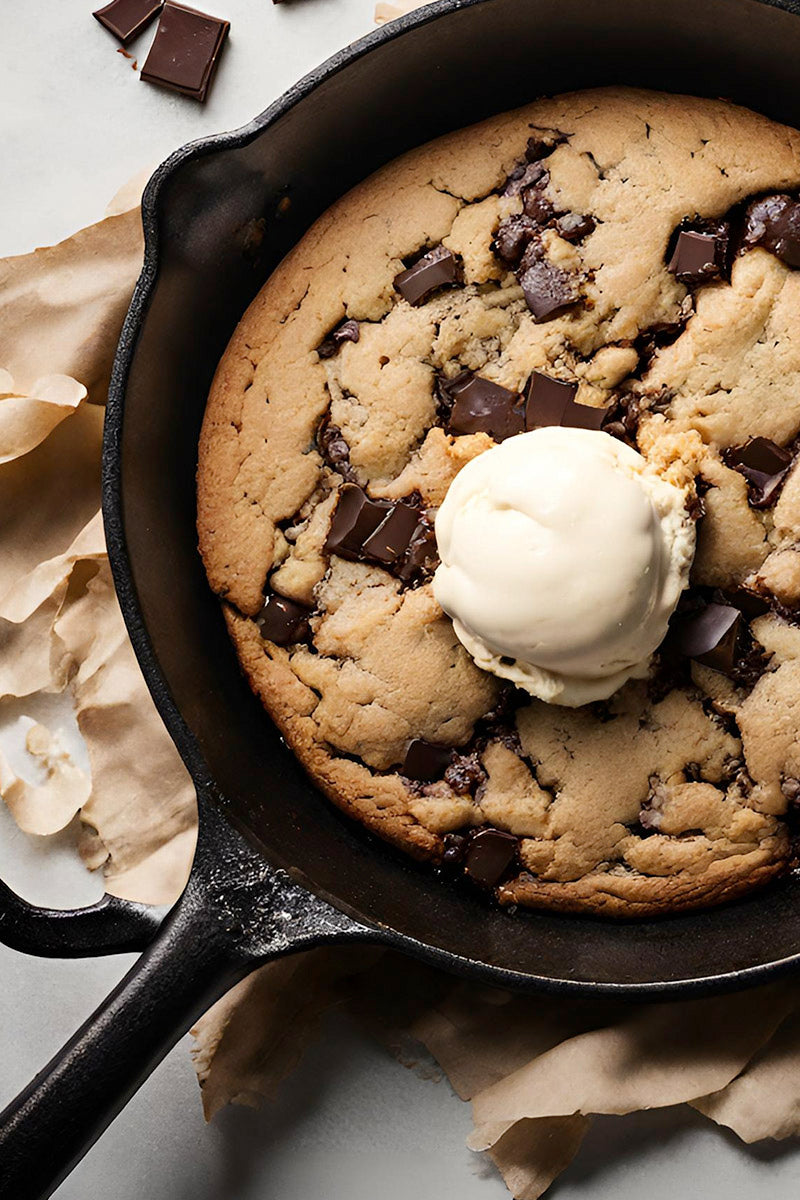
point(75, 123)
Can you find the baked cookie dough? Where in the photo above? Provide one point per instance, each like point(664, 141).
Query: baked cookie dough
point(617, 259)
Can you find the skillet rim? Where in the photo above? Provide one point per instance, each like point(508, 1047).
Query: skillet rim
point(116, 540)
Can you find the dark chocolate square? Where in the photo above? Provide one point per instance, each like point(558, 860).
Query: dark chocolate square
point(185, 51)
point(126, 18)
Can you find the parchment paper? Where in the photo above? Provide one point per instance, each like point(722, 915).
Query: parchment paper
point(535, 1070)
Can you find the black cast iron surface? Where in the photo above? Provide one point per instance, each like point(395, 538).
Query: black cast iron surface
point(277, 869)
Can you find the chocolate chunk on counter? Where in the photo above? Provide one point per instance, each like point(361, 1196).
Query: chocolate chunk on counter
point(348, 331)
point(764, 465)
point(551, 401)
point(283, 621)
point(425, 761)
point(711, 637)
point(774, 223)
point(185, 51)
point(701, 254)
point(126, 18)
point(480, 406)
point(379, 531)
point(489, 855)
point(438, 268)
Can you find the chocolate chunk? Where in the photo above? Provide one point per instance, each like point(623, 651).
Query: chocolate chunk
point(365, 530)
point(774, 223)
point(480, 406)
point(185, 51)
point(425, 761)
point(551, 401)
point(547, 288)
point(348, 331)
point(655, 338)
point(547, 399)
point(751, 663)
point(126, 18)
point(334, 448)
point(465, 774)
point(489, 855)
point(523, 177)
point(701, 254)
point(573, 227)
point(355, 519)
point(421, 558)
point(538, 148)
point(438, 268)
point(513, 237)
point(750, 604)
point(455, 847)
point(764, 465)
point(392, 537)
point(283, 621)
point(535, 204)
point(711, 637)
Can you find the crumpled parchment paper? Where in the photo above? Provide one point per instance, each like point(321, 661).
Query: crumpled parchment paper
point(535, 1069)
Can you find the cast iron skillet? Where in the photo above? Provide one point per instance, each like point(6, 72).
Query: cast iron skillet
point(277, 869)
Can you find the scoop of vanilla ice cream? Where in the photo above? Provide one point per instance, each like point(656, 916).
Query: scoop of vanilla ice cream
point(563, 555)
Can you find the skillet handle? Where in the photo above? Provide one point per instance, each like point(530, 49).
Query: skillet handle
point(235, 914)
point(112, 926)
